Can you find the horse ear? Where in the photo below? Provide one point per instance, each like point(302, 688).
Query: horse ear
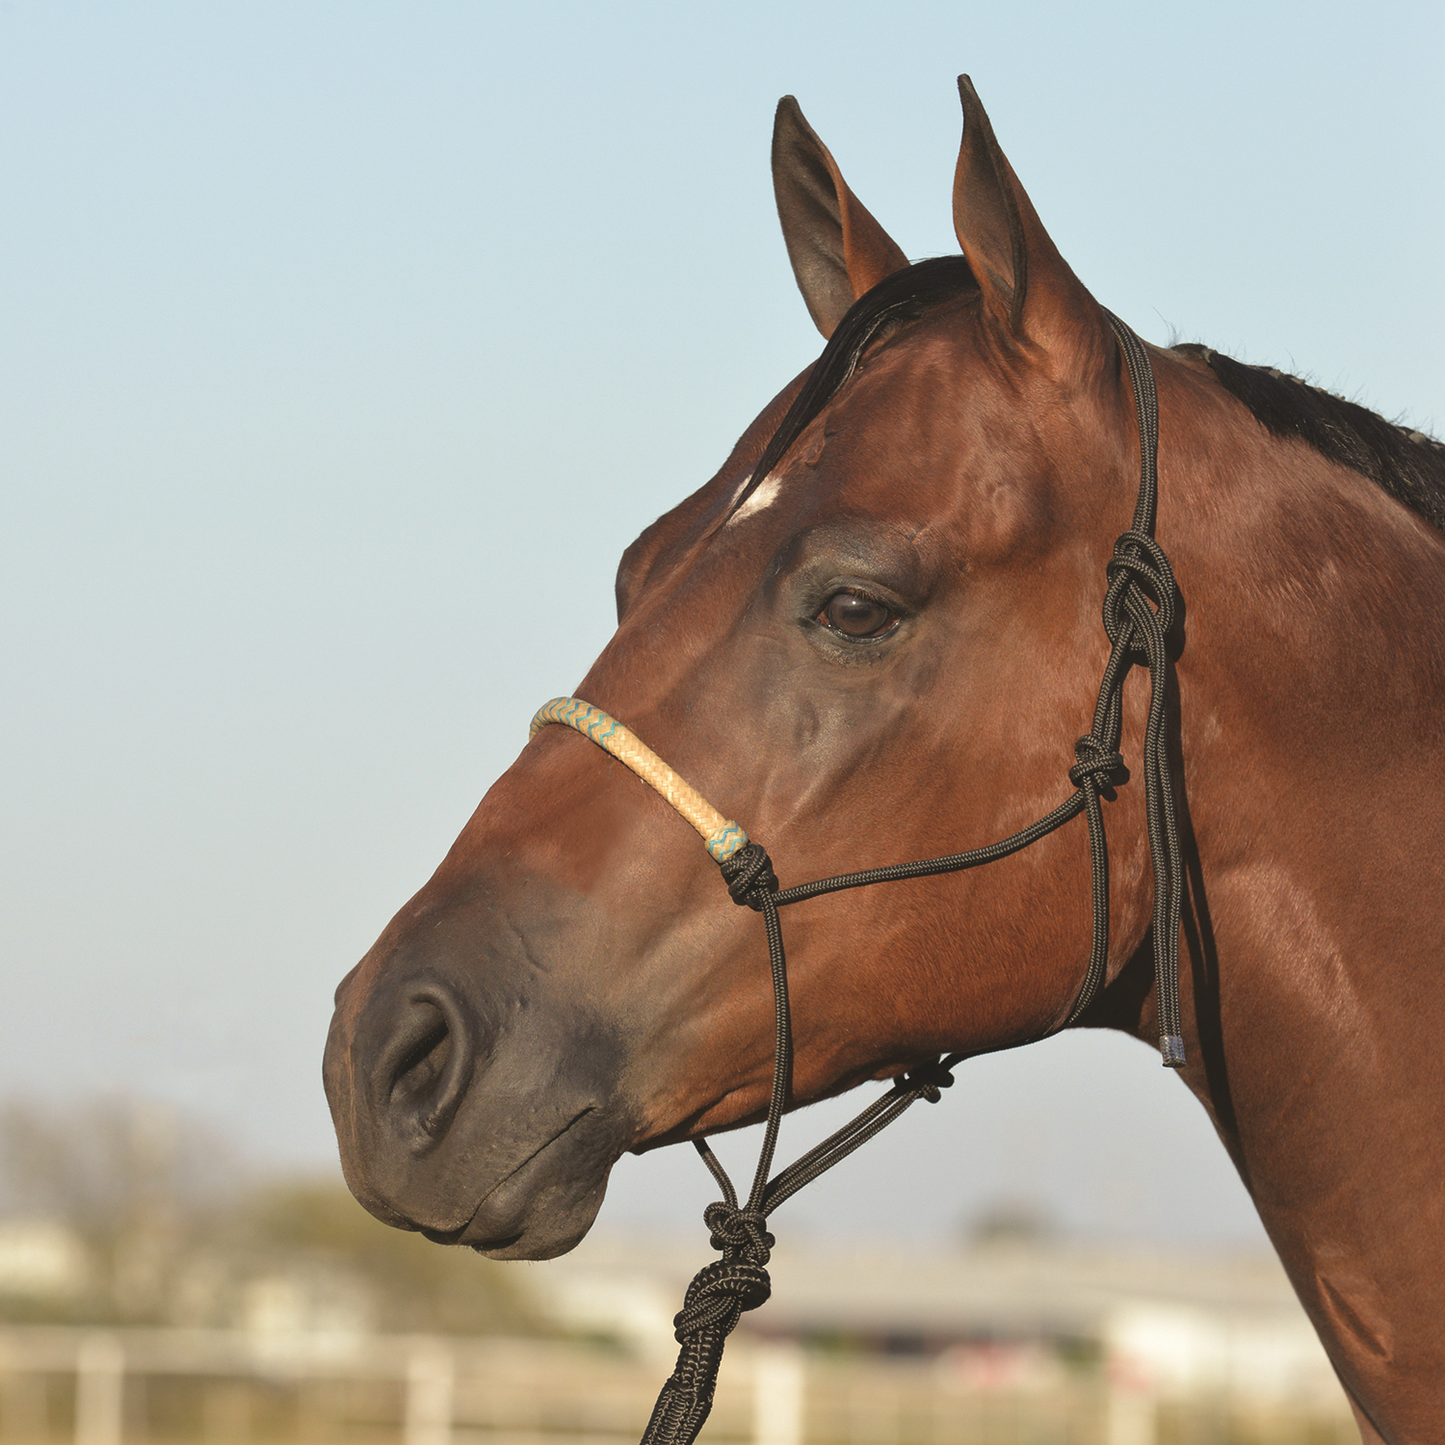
point(1025, 282)
point(837, 249)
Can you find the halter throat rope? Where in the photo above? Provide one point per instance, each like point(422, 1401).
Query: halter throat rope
point(1141, 604)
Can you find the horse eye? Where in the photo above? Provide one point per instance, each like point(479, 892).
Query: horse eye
point(856, 616)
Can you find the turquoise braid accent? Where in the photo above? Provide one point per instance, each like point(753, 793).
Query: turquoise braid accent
point(723, 845)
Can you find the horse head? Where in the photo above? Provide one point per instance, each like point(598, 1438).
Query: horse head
point(873, 636)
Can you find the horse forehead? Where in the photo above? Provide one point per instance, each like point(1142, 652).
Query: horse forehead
point(927, 407)
point(918, 415)
point(923, 468)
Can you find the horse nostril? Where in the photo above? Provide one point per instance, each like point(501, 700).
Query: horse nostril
point(426, 1065)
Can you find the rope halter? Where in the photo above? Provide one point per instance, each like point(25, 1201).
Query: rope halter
point(1140, 606)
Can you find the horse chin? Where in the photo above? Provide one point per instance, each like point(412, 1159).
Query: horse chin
point(545, 1207)
point(542, 1208)
point(555, 1227)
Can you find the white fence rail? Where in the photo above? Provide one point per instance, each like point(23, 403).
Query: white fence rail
point(195, 1387)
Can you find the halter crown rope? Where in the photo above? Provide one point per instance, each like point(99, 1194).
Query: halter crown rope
point(1140, 605)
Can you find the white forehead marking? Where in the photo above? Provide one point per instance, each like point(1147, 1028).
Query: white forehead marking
point(764, 495)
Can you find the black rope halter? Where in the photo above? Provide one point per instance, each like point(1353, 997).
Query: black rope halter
point(1140, 606)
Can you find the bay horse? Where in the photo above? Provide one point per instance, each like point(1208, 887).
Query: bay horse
point(879, 647)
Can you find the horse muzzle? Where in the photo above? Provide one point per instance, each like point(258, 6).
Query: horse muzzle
point(470, 1103)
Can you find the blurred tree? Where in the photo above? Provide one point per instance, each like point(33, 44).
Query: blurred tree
point(98, 1164)
point(136, 1184)
point(179, 1230)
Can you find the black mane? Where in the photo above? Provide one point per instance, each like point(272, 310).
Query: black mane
point(1409, 465)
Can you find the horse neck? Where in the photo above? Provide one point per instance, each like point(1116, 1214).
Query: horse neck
point(1311, 706)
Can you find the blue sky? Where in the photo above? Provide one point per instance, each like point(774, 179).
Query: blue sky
point(344, 347)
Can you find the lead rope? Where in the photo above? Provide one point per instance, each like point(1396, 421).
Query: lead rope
point(1140, 606)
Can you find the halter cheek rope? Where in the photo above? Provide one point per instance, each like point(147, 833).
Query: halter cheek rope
point(1140, 606)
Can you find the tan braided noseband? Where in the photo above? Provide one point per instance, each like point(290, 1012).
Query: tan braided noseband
point(722, 836)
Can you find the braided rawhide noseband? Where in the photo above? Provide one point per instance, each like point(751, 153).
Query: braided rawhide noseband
point(1140, 606)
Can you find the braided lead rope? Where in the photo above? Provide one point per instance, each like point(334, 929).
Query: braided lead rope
point(1140, 606)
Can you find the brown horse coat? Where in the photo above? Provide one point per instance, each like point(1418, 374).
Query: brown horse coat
point(573, 982)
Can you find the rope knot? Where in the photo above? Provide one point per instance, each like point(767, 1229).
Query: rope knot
point(1096, 764)
point(1138, 566)
point(749, 875)
point(719, 1293)
point(930, 1079)
point(739, 1232)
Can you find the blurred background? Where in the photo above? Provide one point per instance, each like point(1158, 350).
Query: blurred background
point(343, 347)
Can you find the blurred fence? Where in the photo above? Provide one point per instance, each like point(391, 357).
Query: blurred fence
point(193, 1387)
